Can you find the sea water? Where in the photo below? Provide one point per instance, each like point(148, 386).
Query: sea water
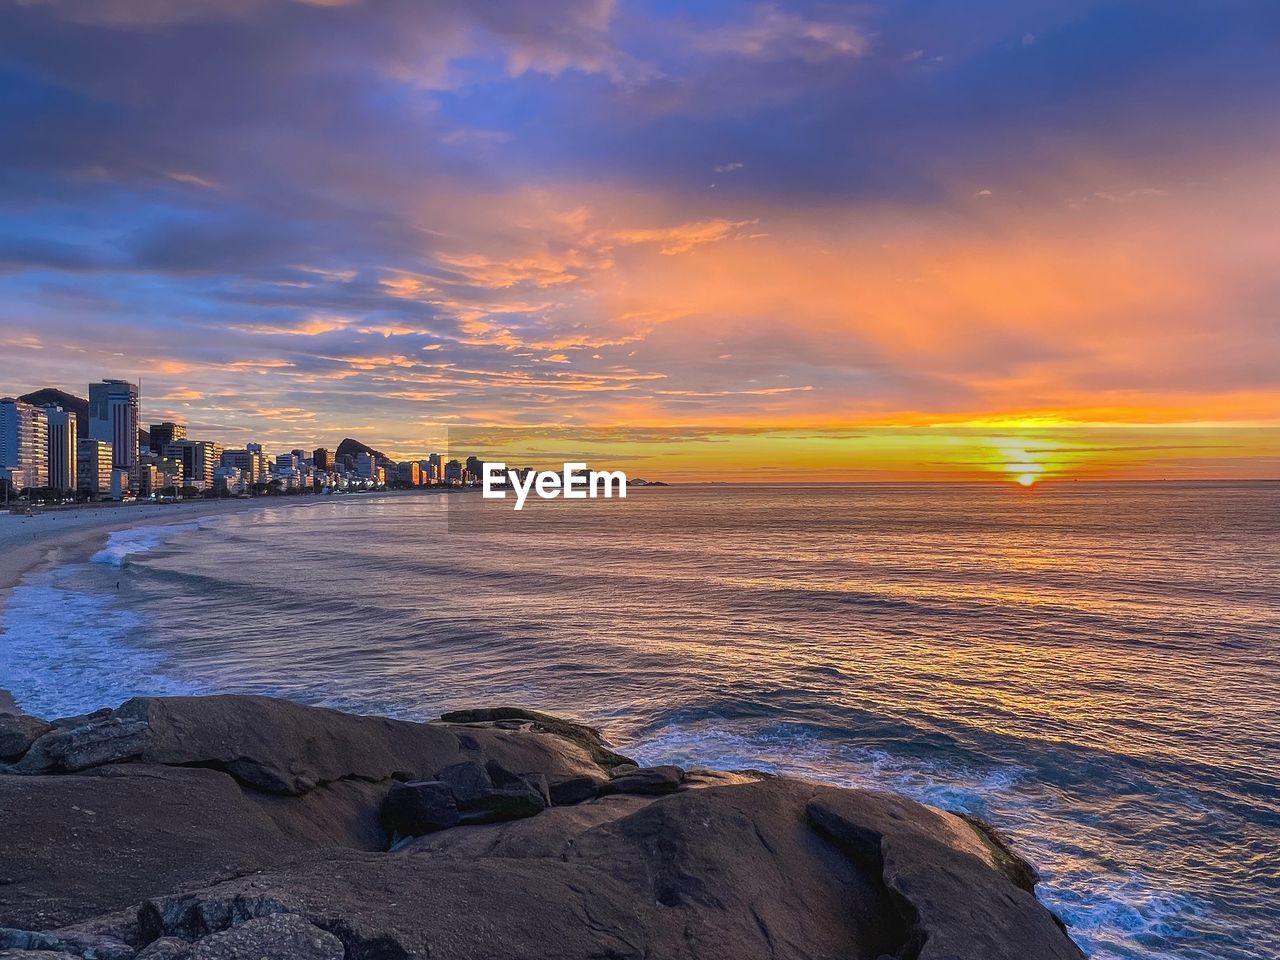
point(1092, 667)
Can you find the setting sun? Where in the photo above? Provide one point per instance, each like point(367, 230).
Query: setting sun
point(1026, 479)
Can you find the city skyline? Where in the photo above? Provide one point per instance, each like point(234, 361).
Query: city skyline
point(41, 455)
point(737, 241)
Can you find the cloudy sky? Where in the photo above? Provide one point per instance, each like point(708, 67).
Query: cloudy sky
point(810, 236)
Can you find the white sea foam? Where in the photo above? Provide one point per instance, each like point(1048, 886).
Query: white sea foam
point(124, 544)
point(1109, 914)
point(64, 651)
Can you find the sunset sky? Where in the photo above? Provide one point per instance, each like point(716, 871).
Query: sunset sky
point(895, 239)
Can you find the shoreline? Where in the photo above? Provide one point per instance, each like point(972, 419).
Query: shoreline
point(32, 544)
point(73, 535)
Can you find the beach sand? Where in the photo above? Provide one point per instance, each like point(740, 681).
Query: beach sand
point(72, 535)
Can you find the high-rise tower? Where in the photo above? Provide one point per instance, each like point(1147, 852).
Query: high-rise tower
point(113, 418)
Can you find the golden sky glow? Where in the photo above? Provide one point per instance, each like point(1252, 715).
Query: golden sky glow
point(759, 242)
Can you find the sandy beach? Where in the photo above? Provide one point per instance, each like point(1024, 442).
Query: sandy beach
point(61, 536)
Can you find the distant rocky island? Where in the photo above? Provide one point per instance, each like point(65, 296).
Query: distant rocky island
point(247, 827)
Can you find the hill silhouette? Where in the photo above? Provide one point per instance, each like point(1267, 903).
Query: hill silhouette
point(351, 447)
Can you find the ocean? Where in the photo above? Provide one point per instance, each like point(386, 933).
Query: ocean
point(1092, 667)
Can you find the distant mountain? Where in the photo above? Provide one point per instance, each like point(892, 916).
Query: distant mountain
point(352, 448)
point(52, 396)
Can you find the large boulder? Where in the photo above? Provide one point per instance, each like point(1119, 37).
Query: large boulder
point(287, 748)
point(959, 891)
point(73, 943)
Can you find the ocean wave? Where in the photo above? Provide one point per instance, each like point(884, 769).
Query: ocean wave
point(65, 651)
point(800, 750)
point(123, 544)
point(1126, 916)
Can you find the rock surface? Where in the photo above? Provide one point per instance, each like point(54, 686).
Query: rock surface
point(17, 733)
point(81, 845)
point(423, 806)
point(280, 747)
point(647, 781)
point(223, 828)
point(275, 935)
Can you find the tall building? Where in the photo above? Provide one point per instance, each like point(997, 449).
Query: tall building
point(409, 473)
point(24, 455)
point(322, 458)
point(61, 448)
point(113, 418)
point(163, 434)
point(475, 467)
point(435, 467)
point(199, 458)
point(93, 466)
point(366, 466)
point(453, 472)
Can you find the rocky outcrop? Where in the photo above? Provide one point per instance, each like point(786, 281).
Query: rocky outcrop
point(18, 733)
point(227, 827)
point(286, 748)
point(954, 897)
